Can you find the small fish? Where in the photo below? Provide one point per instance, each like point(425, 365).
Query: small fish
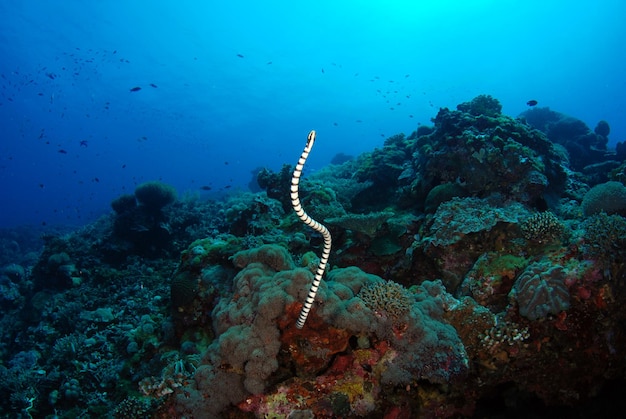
point(62, 151)
point(532, 102)
point(95, 180)
point(135, 89)
point(240, 55)
point(83, 143)
point(153, 85)
point(205, 188)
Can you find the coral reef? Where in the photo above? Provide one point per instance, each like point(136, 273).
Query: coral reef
point(481, 105)
point(602, 128)
point(484, 151)
point(584, 147)
point(478, 264)
point(255, 332)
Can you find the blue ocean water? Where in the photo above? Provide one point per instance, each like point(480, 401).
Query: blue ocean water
point(99, 96)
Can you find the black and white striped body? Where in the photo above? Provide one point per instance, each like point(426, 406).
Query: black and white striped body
point(306, 219)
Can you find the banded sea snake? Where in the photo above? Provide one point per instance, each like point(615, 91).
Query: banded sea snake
point(315, 225)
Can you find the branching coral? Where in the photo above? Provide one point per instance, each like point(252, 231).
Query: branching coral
point(388, 299)
point(503, 333)
point(542, 227)
point(133, 408)
point(605, 236)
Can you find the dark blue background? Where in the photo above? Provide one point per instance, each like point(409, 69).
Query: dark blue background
point(240, 84)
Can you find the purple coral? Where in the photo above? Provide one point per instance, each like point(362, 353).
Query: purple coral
point(540, 290)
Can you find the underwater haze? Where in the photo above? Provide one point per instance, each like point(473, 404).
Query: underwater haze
point(97, 97)
point(173, 244)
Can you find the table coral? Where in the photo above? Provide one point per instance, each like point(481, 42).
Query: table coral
point(461, 230)
point(367, 224)
point(459, 217)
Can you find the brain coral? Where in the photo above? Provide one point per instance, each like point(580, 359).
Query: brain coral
point(540, 290)
point(609, 197)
